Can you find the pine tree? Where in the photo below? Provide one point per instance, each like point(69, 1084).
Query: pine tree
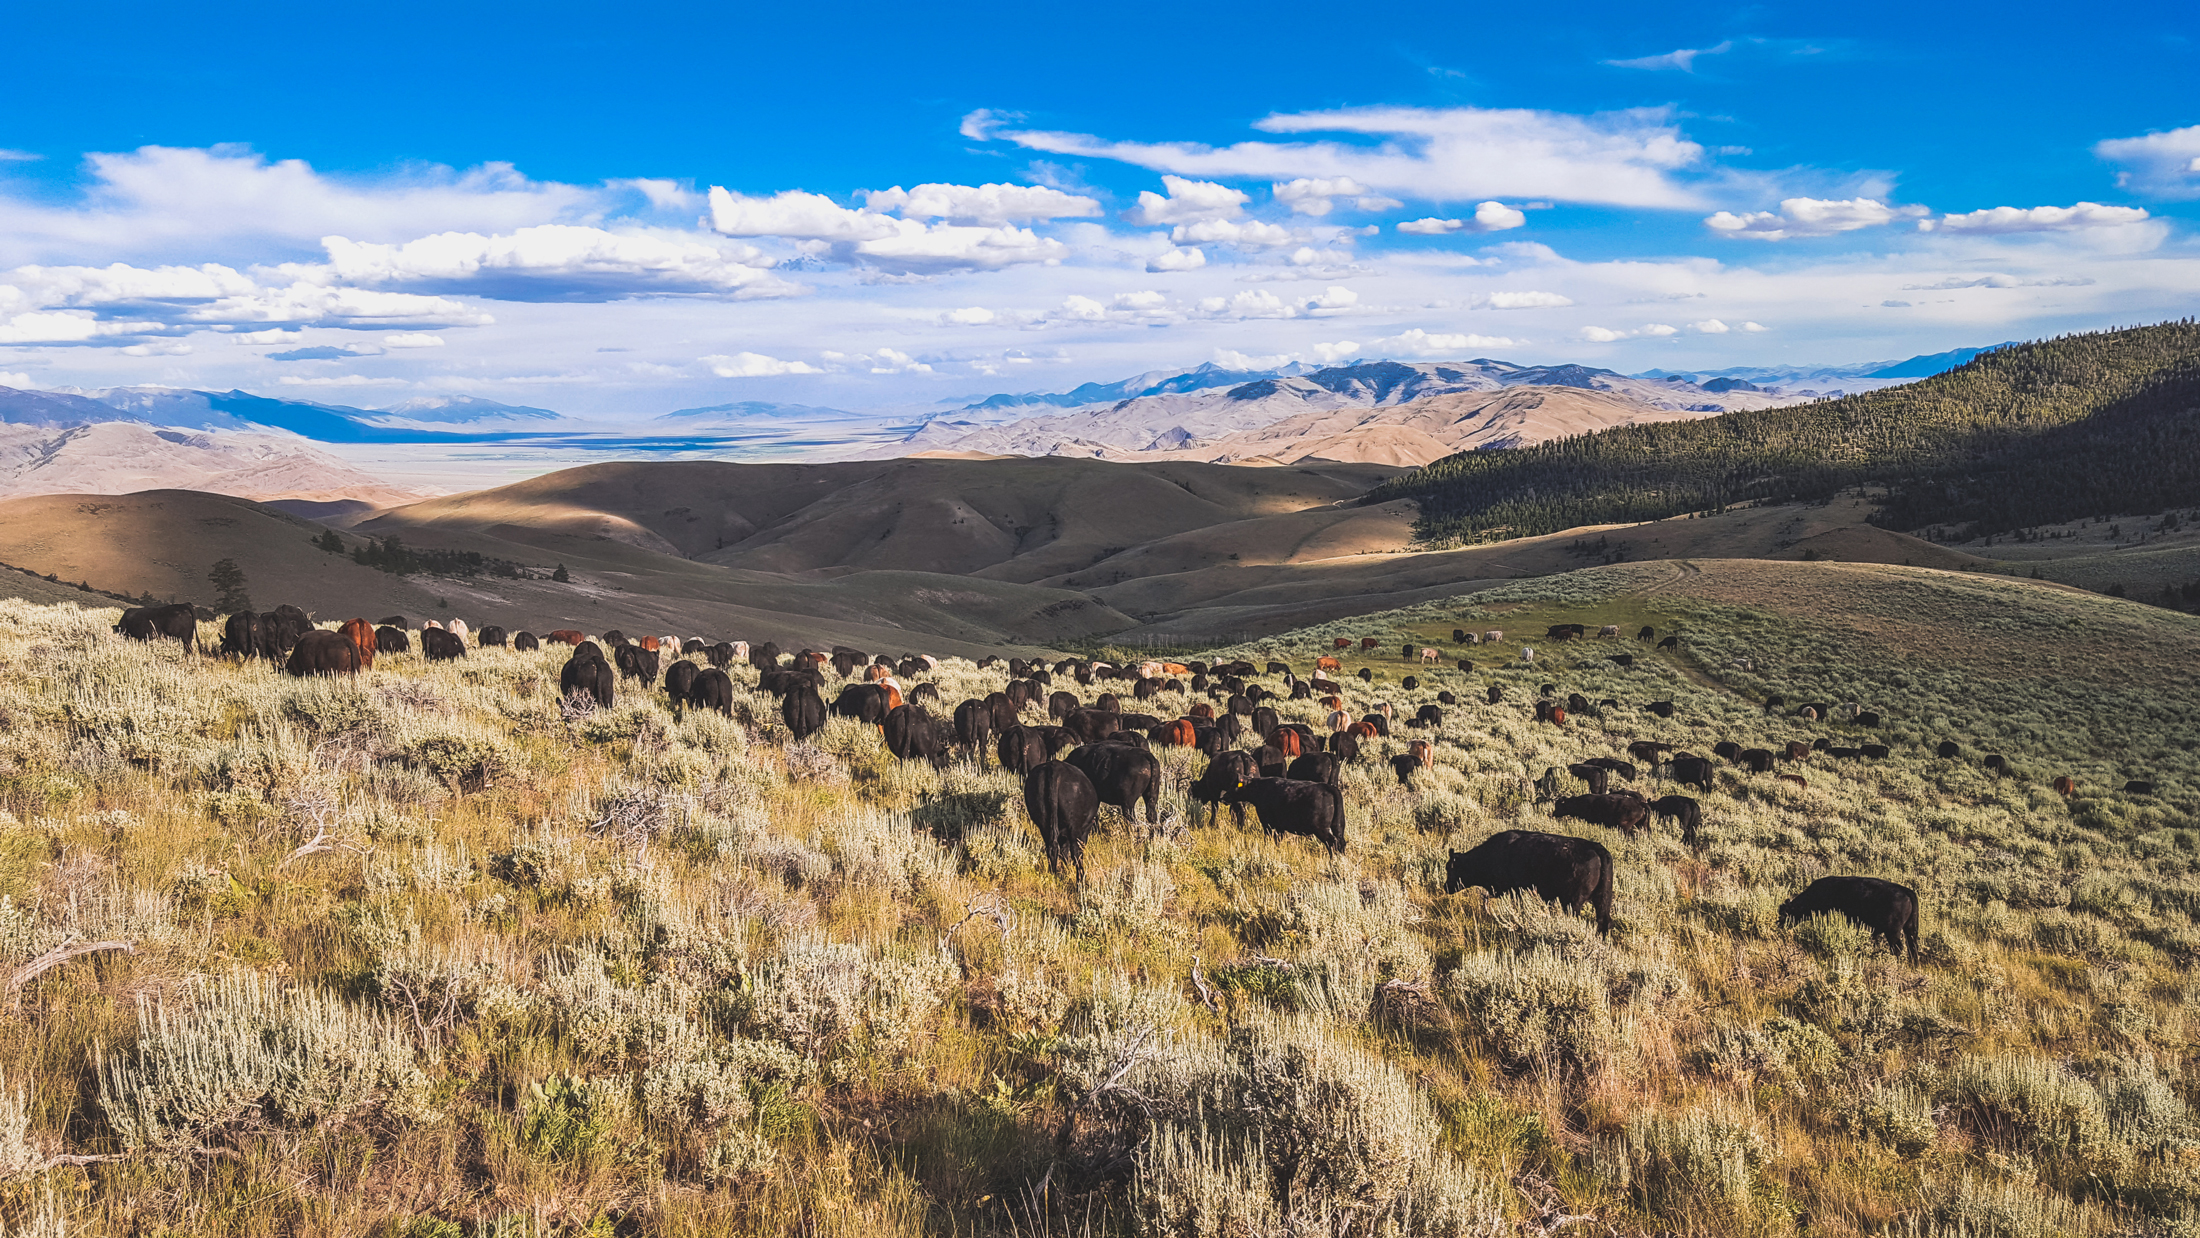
point(561, 575)
point(228, 579)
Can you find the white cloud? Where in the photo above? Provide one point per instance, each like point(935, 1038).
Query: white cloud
point(1231, 359)
point(1999, 281)
point(1755, 326)
point(1627, 158)
point(2166, 165)
point(1176, 259)
point(2006, 219)
point(894, 361)
point(412, 339)
point(156, 199)
point(1311, 195)
point(158, 348)
point(15, 378)
point(1419, 343)
point(898, 245)
point(1709, 326)
point(666, 195)
point(560, 262)
point(342, 380)
point(1522, 300)
point(1606, 335)
point(337, 307)
point(19, 156)
point(119, 283)
point(67, 327)
point(1488, 217)
point(1683, 59)
point(273, 335)
point(982, 204)
point(754, 365)
point(1330, 354)
point(1250, 233)
point(1188, 201)
point(970, 316)
point(1810, 217)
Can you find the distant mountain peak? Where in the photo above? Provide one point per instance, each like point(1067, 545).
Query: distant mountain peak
point(464, 408)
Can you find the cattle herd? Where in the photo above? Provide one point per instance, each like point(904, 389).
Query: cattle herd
point(1100, 752)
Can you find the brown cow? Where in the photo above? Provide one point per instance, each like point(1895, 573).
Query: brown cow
point(1368, 644)
point(1288, 742)
point(1342, 642)
point(361, 635)
point(2066, 786)
point(1797, 750)
point(1203, 710)
point(1419, 750)
point(1797, 779)
point(568, 635)
point(650, 643)
point(1328, 664)
point(1363, 730)
point(1179, 734)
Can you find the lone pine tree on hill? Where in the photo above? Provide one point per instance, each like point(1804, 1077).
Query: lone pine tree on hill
point(228, 579)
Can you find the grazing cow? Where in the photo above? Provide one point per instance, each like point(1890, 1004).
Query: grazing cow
point(1692, 772)
point(1758, 760)
point(242, 635)
point(1228, 770)
point(323, 653)
point(1774, 702)
point(973, 728)
point(1023, 749)
point(925, 692)
point(586, 672)
point(1263, 720)
point(1346, 746)
point(634, 662)
point(1062, 704)
point(1625, 813)
point(1124, 775)
point(1403, 765)
point(441, 646)
point(713, 689)
point(1230, 727)
point(911, 735)
point(179, 623)
point(1379, 722)
point(1064, 805)
point(2138, 786)
point(1649, 752)
point(1496, 694)
point(526, 642)
point(492, 636)
point(679, 677)
point(1663, 709)
point(1366, 675)
point(459, 629)
point(1571, 872)
point(2065, 785)
point(1647, 633)
point(1527, 654)
point(1460, 636)
point(1327, 664)
point(1624, 661)
point(1670, 642)
point(722, 654)
point(1997, 763)
point(764, 657)
point(1801, 783)
point(1727, 750)
point(1309, 809)
point(1887, 909)
point(1796, 750)
point(1422, 752)
point(436, 625)
point(1682, 809)
point(1090, 726)
point(864, 702)
point(1948, 750)
point(1430, 657)
point(568, 636)
point(1599, 780)
point(692, 646)
point(1551, 712)
point(780, 683)
point(1428, 716)
point(1493, 637)
point(1876, 752)
point(1845, 754)
point(391, 621)
point(1271, 760)
point(1316, 767)
point(1867, 719)
point(361, 635)
point(280, 629)
point(1342, 642)
point(1368, 644)
point(1608, 631)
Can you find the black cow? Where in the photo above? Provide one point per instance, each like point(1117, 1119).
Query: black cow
point(391, 640)
point(1625, 813)
point(1624, 661)
point(492, 636)
point(1647, 633)
point(1756, 760)
point(974, 728)
point(1023, 749)
point(241, 636)
point(634, 662)
point(1271, 760)
point(846, 662)
point(1316, 767)
point(2138, 786)
point(526, 642)
point(1403, 766)
point(1428, 715)
point(1649, 752)
point(1228, 770)
point(1309, 809)
point(437, 645)
point(1693, 772)
point(692, 646)
point(1614, 764)
point(1446, 698)
point(713, 689)
point(1663, 709)
point(1876, 752)
point(1887, 909)
point(864, 702)
point(587, 672)
point(679, 677)
point(764, 657)
point(179, 622)
point(1366, 675)
point(1496, 694)
point(1682, 809)
point(390, 621)
point(912, 735)
point(324, 653)
point(281, 629)
point(1599, 779)
point(803, 711)
point(720, 654)
point(1064, 805)
point(1090, 726)
point(1726, 750)
point(1670, 642)
point(1947, 750)
point(1061, 705)
point(1124, 775)
point(1346, 746)
point(1559, 868)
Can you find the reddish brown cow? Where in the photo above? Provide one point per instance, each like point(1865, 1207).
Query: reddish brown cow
point(1364, 730)
point(2066, 786)
point(1180, 734)
point(1797, 779)
point(568, 635)
point(1419, 751)
point(1327, 664)
point(1342, 642)
point(1288, 743)
point(1203, 710)
point(1368, 643)
point(1797, 750)
point(361, 635)
point(650, 643)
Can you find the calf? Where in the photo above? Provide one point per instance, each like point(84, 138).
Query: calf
point(1887, 909)
point(1560, 869)
point(1309, 809)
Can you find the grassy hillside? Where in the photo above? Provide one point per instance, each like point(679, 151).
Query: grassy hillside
point(2085, 425)
point(433, 954)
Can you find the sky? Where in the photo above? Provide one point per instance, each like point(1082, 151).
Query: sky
point(617, 213)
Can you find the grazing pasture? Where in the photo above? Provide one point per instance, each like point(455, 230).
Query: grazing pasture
point(431, 949)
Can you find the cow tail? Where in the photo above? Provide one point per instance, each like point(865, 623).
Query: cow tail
point(1336, 797)
point(1603, 897)
point(1916, 927)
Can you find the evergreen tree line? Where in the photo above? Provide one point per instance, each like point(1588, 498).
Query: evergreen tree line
point(2040, 433)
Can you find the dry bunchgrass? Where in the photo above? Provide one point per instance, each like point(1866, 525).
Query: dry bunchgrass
point(419, 955)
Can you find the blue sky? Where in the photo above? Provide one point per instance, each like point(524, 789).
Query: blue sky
point(516, 201)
